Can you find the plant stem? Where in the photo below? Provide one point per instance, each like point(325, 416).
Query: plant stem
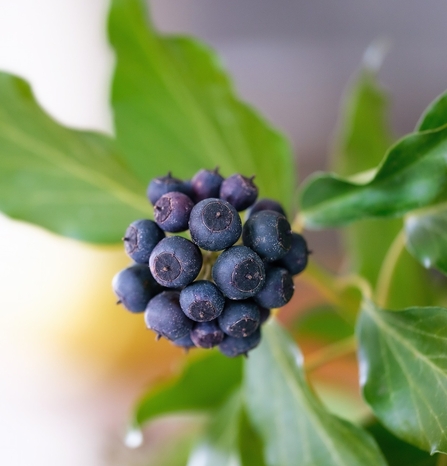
point(329, 353)
point(387, 269)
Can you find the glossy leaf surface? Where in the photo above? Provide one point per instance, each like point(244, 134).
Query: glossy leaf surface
point(412, 175)
point(403, 372)
point(362, 140)
point(426, 232)
point(70, 182)
point(203, 385)
point(176, 109)
point(295, 427)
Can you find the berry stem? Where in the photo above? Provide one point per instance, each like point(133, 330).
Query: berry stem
point(329, 353)
point(387, 270)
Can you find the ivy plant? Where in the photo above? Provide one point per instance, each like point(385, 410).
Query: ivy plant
point(175, 106)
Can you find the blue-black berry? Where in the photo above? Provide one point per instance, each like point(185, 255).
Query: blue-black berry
point(206, 334)
point(184, 342)
point(175, 262)
point(269, 234)
point(240, 318)
point(266, 204)
point(206, 184)
point(295, 260)
point(172, 211)
point(134, 287)
point(239, 191)
point(264, 313)
point(165, 317)
point(239, 272)
point(165, 184)
point(140, 239)
point(214, 224)
point(278, 288)
point(202, 301)
point(233, 347)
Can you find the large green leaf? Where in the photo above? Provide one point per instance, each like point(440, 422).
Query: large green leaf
point(203, 386)
point(412, 175)
point(176, 109)
point(70, 182)
point(436, 114)
point(403, 372)
point(397, 452)
point(229, 439)
point(426, 231)
point(219, 445)
point(363, 135)
point(295, 427)
point(362, 140)
point(425, 228)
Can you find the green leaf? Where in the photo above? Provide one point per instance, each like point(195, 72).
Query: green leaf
point(362, 140)
point(397, 452)
point(203, 385)
point(176, 109)
point(436, 114)
point(323, 323)
point(426, 232)
point(70, 182)
point(403, 372)
point(412, 175)
point(229, 439)
point(295, 427)
point(363, 136)
point(219, 446)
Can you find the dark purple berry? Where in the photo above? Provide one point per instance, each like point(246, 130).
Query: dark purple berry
point(184, 342)
point(134, 287)
point(233, 347)
point(140, 239)
point(295, 260)
point(165, 317)
point(240, 318)
point(202, 301)
point(206, 334)
point(239, 191)
point(165, 184)
point(239, 272)
point(172, 211)
point(278, 289)
point(267, 204)
point(214, 224)
point(206, 184)
point(175, 262)
point(264, 313)
point(269, 234)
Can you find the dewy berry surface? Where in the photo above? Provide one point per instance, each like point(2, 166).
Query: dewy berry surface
point(269, 234)
point(164, 316)
point(172, 211)
point(175, 262)
point(240, 318)
point(239, 191)
point(239, 272)
point(134, 287)
point(140, 239)
point(210, 290)
point(202, 301)
point(214, 224)
point(206, 184)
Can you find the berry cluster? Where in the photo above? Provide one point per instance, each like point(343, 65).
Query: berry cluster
point(208, 291)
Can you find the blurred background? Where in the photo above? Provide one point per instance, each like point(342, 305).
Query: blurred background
point(72, 362)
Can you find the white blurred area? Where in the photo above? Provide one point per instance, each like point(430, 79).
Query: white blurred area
point(65, 390)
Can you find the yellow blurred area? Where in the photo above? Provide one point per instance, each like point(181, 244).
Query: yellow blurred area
point(58, 292)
